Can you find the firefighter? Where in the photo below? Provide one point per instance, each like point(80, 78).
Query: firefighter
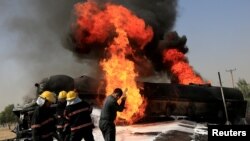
point(77, 112)
point(43, 122)
point(61, 121)
point(108, 114)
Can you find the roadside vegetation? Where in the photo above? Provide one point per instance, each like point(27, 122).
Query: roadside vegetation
point(7, 117)
point(244, 87)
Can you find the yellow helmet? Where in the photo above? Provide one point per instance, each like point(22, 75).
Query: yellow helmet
point(48, 96)
point(62, 94)
point(71, 95)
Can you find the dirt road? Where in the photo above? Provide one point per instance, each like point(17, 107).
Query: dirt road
point(6, 134)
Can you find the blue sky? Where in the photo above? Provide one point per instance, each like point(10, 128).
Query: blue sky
point(217, 31)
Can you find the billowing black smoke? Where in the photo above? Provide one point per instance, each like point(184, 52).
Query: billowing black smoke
point(159, 14)
point(32, 32)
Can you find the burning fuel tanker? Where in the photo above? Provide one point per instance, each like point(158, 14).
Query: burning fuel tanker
point(196, 102)
point(128, 44)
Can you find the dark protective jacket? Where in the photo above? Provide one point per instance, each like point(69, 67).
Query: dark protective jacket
point(60, 115)
point(43, 124)
point(78, 116)
point(110, 108)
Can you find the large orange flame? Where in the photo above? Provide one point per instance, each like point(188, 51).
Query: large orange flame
point(118, 26)
point(119, 72)
point(180, 67)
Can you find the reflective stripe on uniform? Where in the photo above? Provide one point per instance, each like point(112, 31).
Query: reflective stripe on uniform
point(59, 126)
point(43, 123)
point(67, 117)
point(65, 125)
point(78, 111)
point(35, 126)
point(47, 135)
point(62, 126)
point(81, 126)
point(47, 121)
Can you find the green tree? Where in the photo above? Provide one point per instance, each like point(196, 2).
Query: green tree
point(7, 116)
point(2, 118)
point(244, 87)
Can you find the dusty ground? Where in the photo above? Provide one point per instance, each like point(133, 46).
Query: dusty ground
point(174, 136)
point(6, 134)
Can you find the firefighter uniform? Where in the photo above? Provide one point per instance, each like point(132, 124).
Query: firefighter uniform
point(61, 121)
point(79, 119)
point(43, 122)
point(108, 116)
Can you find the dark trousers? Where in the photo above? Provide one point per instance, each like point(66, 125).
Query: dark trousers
point(80, 134)
point(42, 139)
point(108, 130)
point(61, 134)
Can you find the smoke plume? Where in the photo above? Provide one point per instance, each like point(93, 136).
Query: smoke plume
point(34, 32)
point(158, 14)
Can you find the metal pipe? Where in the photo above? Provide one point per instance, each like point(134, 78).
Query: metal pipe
point(223, 99)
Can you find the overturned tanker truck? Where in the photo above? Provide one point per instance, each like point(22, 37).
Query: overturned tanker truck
point(196, 102)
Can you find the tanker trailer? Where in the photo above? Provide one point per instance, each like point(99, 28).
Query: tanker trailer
point(196, 102)
point(55, 83)
point(88, 88)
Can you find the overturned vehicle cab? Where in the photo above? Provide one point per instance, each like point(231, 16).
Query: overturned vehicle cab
point(24, 114)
